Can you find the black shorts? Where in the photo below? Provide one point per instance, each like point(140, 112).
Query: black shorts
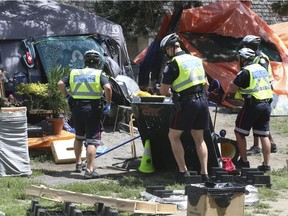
point(86, 120)
point(256, 116)
point(194, 114)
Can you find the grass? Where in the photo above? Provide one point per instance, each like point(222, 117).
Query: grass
point(12, 190)
point(15, 202)
point(279, 125)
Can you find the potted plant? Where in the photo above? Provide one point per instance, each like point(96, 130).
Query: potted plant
point(56, 102)
point(10, 101)
point(12, 114)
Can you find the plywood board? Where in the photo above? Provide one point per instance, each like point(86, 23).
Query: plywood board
point(63, 151)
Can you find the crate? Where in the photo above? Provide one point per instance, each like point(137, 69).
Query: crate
point(223, 199)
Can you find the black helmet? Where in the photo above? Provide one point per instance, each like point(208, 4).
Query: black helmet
point(169, 40)
point(247, 53)
point(92, 57)
point(251, 40)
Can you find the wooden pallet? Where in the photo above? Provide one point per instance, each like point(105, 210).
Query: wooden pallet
point(136, 206)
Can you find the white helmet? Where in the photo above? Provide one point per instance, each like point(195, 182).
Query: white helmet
point(251, 39)
point(92, 57)
point(247, 53)
point(169, 40)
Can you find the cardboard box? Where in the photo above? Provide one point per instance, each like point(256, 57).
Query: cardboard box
point(223, 199)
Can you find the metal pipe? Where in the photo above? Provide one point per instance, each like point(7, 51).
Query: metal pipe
point(117, 146)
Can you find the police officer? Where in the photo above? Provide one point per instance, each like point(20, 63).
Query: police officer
point(185, 75)
point(86, 89)
point(253, 42)
point(253, 86)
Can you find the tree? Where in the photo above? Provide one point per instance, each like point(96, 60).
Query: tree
point(137, 18)
point(281, 8)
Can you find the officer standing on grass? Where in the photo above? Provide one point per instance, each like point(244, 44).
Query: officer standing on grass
point(86, 89)
point(253, 85)
point(186, 77)
point(253, 42)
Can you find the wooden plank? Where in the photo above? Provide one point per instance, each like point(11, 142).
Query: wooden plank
point(40, 112)
point(13, 109)
point(120, 204)
point(63, 151)
point(2, 91)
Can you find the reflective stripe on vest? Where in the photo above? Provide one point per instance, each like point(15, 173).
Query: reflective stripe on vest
point(85, 83)
point(269, 68)
point(259, 86)
point(191, 72)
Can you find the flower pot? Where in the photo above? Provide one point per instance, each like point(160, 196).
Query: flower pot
point(57, 125)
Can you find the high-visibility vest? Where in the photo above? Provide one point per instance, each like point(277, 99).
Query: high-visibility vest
point(259, 86)
point(191, 72)
point(85, 83)
point(257, 60)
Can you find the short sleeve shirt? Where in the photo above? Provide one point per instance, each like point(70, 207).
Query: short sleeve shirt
point(242, 79)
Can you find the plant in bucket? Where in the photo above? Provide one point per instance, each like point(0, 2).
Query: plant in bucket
point(56, 101)
point(10, 101)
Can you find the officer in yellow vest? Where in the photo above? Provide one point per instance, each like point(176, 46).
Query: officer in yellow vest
point(86, 89)
point(252, 84)
point(185, 75)
point(253, 42)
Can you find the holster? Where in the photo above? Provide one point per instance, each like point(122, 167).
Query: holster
point(176, 101)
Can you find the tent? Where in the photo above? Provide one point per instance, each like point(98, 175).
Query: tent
point(37, 35)
point(213, 33)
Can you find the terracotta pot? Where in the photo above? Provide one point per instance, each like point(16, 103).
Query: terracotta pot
point(57, 125)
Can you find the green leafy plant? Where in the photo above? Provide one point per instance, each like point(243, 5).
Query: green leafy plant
point(35, 93)
point(56, 101)
point(10, 101)
point(281, 8)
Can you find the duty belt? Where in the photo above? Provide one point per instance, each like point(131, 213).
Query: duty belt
point(256, 101)
point(84, 102)
point(192, 96)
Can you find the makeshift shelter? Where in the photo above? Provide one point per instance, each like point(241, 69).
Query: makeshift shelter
point(213, 33)
point(38, 35)
point(281, 29)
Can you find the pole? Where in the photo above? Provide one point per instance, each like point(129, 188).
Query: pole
point(117, 146)
point(215, 84)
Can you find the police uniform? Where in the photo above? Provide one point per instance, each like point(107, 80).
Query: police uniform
point(186, 75)
point(86, 89)
point(255, 88)
point(264, 61)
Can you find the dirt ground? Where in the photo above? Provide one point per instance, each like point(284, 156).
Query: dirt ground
point(109, 163)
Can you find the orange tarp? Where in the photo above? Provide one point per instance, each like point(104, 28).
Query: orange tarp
point(236, 20)
point(281, 29)
point(46, 141)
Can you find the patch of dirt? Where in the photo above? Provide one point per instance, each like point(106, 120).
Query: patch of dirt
point(226, 120)
point(113, 162)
